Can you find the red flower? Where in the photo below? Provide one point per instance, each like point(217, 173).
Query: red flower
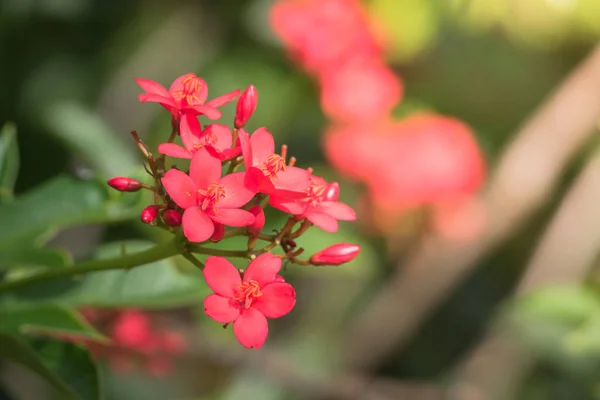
point(431, 159)
point(207, 198)
point(216, 138)
point(266, 170)
point(247, 302)
point(324, 33)
point(188, 93)
point(360, 91)
point(320, 206)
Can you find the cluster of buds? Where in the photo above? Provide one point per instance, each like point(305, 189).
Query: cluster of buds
point(430, 159)
point(203, 203)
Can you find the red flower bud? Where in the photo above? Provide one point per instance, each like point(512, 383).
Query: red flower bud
point(149, 214)
point(245, 107)
point(172, 218)
point(333, 192)
point(123, 184)
point(335, 255)
point(259, 220)
point(218, 233)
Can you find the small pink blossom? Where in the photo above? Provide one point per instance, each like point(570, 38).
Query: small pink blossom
point(320, 205)
point(216, 138)
point(266, 170)
point(247, 302)
point(207, 198)
point(187, 94)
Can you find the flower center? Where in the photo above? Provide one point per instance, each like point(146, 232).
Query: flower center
point(273, 165)
point(191, 87)
point(209, 198)
point(207, 139)
point(248, 291)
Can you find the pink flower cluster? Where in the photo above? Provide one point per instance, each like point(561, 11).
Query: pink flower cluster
point(137, 339)
point(333, 41)
point(206, 202)
point(424, 159)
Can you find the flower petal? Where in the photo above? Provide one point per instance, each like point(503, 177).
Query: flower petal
point(174, 150)
point(152, 87)
point(277, 300)
point(263, 145)
point(337, 210)
point(246, 146)
point(181, 188)
point(323, 221)
point(206, 110)
point(289, 206)
point(237, 194)
point(222, 136)
point(197, 226)
point(156, 98)
point(221, 309)
point(204, 169)
point(221, 276)
point(251, 328)
point(233, 217)
point(189, 125)
point(228, 154)
point(224, 99)
point(292, 179)
point(263, 269)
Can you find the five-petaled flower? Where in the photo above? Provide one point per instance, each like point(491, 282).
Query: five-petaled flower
point(320, 205)
point(247, 301)
point(267, 171)
point(206, 197)
point(187, 94)
point(216, 138)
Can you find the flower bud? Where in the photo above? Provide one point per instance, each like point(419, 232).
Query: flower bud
point(333, 192)
point(259, 220)
point(124, 184)
point(218, 233)
point(245, 107)
point(335, 255)
point(172, 218)
point(149, 214)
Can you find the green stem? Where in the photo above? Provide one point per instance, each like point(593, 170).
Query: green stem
point(218, 252)
point(156, 253)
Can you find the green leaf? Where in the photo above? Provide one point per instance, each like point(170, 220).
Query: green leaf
point(26, 255)
point(47, 319)
point(87, 134)
point(155, 285)
point(68, 367)
point(59, 203)
point(9, 160)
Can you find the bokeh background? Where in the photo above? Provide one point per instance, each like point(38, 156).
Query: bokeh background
point(66, 79)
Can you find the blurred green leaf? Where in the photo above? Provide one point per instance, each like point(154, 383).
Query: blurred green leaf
point(154, 285)
point(568, 304)
point(59, 203)
point(586, 338)
point(87, 134)
point(552, 323)
point(25, 254)
point(47, 319)
point(9, 160)
point(68, 367)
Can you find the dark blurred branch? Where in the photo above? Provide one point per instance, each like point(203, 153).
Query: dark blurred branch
point(566, 253)
point(525, 175)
